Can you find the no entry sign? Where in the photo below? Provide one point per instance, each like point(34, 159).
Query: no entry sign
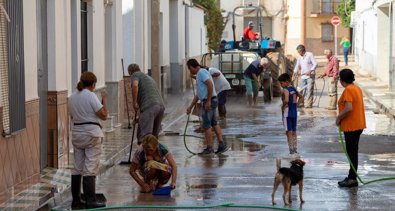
point(335, 20)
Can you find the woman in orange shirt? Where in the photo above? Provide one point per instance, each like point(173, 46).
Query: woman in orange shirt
point(351, 120)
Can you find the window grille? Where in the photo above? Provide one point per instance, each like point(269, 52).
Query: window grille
point(84, 36)
point(12, 67)
point(327, 32)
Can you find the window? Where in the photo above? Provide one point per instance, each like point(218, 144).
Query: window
point(326, 32)
point(84, 36)
point(12, 68)
point(324, 7)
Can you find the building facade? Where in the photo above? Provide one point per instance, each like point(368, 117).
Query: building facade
point(184, 38)
point(45, 46)
point(309, 23)
point(272, 18)
point(373, 22)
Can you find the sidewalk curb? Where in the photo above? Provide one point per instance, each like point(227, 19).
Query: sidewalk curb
point(63, 196)
point(379, 104)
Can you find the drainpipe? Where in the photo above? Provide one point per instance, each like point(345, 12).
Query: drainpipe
point(391, 63)
point(303, 23)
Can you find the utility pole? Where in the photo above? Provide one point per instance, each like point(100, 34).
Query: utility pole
point(303, 22)
point(155, 43)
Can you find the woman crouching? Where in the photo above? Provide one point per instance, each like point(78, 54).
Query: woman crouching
point(154, 163)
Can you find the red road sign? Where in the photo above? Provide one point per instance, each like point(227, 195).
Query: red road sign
point(335, 20)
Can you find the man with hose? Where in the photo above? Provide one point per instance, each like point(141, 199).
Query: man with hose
point(306, 64)
point(208, 97)
point(351, 120)
point(332, 71)
point(148, 100)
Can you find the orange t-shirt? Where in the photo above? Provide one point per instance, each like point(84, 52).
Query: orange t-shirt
point(355, 120)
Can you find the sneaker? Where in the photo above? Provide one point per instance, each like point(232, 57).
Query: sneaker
point(331, 108)
point(207, 151)
point(343, 181)
point(222, 147)
point(349, 183)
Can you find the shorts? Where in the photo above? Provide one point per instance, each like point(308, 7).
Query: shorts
point(209, 117)
point(289, 123)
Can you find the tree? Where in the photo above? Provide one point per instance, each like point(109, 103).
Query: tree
point(344, 10)
point(214, 22)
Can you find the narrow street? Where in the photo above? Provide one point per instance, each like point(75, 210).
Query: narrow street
point(244, 174)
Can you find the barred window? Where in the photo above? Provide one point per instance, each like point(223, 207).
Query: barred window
point(326, 32)
point(12, 67)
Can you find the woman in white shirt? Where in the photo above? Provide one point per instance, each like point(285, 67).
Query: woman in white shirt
point(86, 111)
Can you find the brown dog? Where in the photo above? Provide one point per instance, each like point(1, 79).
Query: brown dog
point(289, 177)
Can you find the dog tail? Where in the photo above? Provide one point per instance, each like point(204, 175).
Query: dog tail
point(278, 164)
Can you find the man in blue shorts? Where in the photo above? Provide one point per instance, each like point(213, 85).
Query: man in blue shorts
point(208, 98)
point(290, 99)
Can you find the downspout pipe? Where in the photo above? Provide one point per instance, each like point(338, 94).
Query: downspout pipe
point(303, 23)
point(391, 42)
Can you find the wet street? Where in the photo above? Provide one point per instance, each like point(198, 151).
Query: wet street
point(244, 175)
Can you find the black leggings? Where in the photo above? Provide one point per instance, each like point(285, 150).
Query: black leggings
point(352, 142)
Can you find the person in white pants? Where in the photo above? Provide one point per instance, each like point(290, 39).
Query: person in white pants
point(86, 111)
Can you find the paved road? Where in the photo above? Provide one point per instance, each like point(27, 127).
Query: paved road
point(244, 175)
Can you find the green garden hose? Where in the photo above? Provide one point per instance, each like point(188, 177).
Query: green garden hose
point(353, 168)
point(185, 135)
point(225, 205)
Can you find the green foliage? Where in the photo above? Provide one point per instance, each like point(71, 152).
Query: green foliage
point(344, 10)
point(214, 22)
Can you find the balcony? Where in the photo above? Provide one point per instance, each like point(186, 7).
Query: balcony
point(324, 7)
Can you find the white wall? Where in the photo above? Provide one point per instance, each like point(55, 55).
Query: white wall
point(165, 26)
point(293, 26)
point(75, 34)
point(30, 48)
point(135, 29)
point(98, 42)
point(366, 36)
point(59, 60)
point(197, 33)
point(113, 42)
point(228, 7)
point(383, 42)
point(177, 30)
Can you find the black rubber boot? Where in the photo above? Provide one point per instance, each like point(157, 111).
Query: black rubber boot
point(222, 111)
point(89, 185)
point(76, 192)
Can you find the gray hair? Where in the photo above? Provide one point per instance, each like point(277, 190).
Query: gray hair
point(264, 60)
point(301, 48)
point(329, 51)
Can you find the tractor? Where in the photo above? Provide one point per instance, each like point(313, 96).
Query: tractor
point(233, 57)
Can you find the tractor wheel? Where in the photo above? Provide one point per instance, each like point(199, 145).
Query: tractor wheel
point(278, 66)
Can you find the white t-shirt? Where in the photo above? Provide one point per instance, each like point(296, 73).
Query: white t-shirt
point(220, 81)
point(83, 106)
